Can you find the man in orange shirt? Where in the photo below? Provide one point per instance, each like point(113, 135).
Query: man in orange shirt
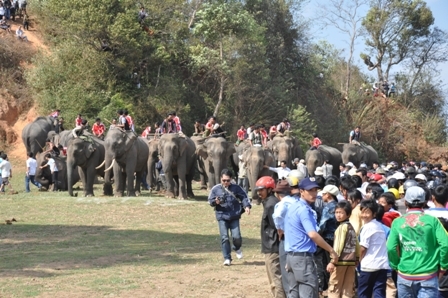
point(98, 128)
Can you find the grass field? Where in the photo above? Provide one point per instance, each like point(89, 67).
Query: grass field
point(148, 246)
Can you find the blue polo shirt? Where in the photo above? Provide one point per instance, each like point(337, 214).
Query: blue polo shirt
point(299, 221)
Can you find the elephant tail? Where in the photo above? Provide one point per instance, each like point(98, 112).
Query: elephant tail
point(111, 165)
point(102, 164)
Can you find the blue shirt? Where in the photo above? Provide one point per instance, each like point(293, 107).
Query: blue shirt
point(299, 221)
point(280, 210)
point(233, 200)
point(327, 225)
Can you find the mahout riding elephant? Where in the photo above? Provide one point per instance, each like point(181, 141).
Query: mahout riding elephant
point(198, 141)
point(178, 155)
point(316, 158)
point(215, 153)
point(126, 154)
point(85, 155)
point(151, 175)
point(358, 154)
point(255, 158)
point(285, 148)
point(35, 133)
point(43, 176)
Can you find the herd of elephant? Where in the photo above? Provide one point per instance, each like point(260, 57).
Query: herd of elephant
point(122, 158)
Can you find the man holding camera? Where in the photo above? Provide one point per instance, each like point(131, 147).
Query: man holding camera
point(229, 201)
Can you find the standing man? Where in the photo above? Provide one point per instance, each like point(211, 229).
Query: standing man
point(269, 235)
point(355, 136)
point(54, 170)
point(229, 201)
point(98, 128)
point(282, 171)
point(5, 168)
point(418, 248)
point(31, 166)
point(301, 240)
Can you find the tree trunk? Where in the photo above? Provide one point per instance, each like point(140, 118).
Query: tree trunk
point(221, 84)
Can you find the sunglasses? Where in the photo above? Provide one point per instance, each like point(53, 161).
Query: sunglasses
point(225, 180)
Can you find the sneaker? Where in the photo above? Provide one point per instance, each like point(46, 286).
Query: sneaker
point(227, 262)
point(239, 254)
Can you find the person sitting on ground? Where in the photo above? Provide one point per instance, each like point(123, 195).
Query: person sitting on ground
point(98, 128)
point(316, 142)
point(20, 35)
point(4, 25)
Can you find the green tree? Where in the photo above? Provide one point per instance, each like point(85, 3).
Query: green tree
point(393, 29)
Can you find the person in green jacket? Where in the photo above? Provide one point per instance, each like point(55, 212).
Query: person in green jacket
point(417, 248)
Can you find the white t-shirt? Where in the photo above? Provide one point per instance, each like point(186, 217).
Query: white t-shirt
point(373, 238)
point(31, 163)
point(52, 164)
point(5, 166)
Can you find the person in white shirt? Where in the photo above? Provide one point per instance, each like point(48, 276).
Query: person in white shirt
point(5, 167)
point(54, 170)
point(31, 166)
point(282, 171)
point(374, 260)
point(20, 35)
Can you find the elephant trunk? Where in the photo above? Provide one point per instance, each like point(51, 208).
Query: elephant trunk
point(71, 166)
point(107, 189)
point(218, 165)
point(167, 164)
point(151, 172)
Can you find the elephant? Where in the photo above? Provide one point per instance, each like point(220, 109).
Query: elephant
point(199, 140)
point(63, 137)
point(126, 154)
point(43, 176)
point(88, 155)
point(358, 154)
point(215, 154)
point(151, 175)
point(316, 158)
point(285, 148)
point(178, 155)
point(239, 150)
point(35, 133)
point(255, 158)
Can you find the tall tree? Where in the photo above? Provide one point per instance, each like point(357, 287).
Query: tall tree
point(393, 29)
point(344, 15)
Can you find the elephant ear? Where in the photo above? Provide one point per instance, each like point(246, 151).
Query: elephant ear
point(182, 146)
point(160, 147)
point(201, 150)
point(230, 149)
point(89, 149)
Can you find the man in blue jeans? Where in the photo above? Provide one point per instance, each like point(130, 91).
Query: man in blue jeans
point(31, 166)
point(229, 201)
point(301, 240)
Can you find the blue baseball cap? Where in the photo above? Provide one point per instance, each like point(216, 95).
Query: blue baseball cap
point(415, 194)
point(308, 183)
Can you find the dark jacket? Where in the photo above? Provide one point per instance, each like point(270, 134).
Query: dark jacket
point(269, 235)
point(233, 201)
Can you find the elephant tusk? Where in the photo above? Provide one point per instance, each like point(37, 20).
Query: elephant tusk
point(113, 161)
point(102, 164)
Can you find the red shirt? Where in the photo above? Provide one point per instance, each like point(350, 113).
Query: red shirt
point(146, 132)
point(129, 119)
point(98, 129)
point(264, 134)
point(316, 142)
point(240, 134)
point(78, 122)
point(209, 125)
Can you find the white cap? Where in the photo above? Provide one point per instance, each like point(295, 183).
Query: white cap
point(349, 164)
point(421, 177)
point(398, 176)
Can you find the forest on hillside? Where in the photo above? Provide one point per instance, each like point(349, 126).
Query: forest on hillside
point(246, 62)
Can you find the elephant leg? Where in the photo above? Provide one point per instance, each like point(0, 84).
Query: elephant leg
point(82, 174)
point(118, 180)
point(138, 182)
point(169, 184)
point(176, 186)
point(182, 183)
point(189, 180)
point(90, 175)
point(130, 181)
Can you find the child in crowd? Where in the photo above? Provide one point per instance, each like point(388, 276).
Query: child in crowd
point(346, 245)
point(387, 200)
point(354, 197)
point(373, 254)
